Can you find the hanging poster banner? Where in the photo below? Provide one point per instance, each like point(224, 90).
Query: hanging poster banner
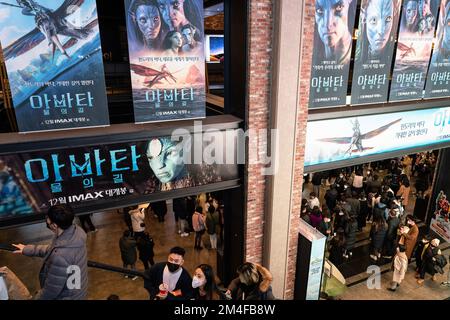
point(378, 26)
point(54, 62)
point(414, 45)
point(167, 59)
point(374, 134)
point(31, 182)
point(440, 222)
point(332, 51)
point(438, 79)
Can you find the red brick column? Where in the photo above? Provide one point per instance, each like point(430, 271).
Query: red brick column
point(260, 26)
point(302, 117)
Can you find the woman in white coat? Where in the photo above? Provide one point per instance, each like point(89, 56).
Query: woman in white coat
point(400, 267)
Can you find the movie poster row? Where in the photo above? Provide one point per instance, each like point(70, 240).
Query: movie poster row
point(382, 23)
point(32, 182)
point(53, 56)
point(374, 134)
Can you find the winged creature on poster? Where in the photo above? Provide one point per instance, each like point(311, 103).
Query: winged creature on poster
point(54, 62)
point(167, 59)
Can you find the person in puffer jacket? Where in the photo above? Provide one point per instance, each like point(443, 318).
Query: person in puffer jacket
point(64, 259)
point(253, 283)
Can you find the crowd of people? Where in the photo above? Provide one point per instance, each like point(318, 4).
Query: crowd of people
point(167, 280)
point(358, 196)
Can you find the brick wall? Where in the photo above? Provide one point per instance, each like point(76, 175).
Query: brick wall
point(302, 117)
point(260, 26)
point(215, 22)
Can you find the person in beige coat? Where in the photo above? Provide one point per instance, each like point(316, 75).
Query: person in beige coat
point(400, 266)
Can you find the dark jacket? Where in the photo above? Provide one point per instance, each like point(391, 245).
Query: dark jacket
point(350, 233)
point(69, 249)
point(212, 221)
point(378, 236)
point(127, 247)
point(379, 210)
point(160, 208)
point(154, 277)
point(260, 291)
point(145, 247)
point(373, 186)
point(180, 208)
point(354, 206)
point(330, 198)
point(393, 223)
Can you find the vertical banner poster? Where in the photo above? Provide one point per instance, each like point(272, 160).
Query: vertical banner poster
point(332, 50)
point(167, 59)
point(438, 79)
point(378, 26)
point(54, 62)
point(414, 46)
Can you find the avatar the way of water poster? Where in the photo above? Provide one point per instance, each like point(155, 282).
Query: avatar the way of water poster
point(54, 62)
point(32, 182)
point(167, 59)
point(334, 21)
point(438, 79)
point(377, 32)
point(417, 27)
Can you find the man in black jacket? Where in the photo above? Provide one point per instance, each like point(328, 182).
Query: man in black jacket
point(173, 275)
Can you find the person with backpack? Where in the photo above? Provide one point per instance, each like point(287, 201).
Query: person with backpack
point(145, 246)
point(198, 224)
point(127, 244)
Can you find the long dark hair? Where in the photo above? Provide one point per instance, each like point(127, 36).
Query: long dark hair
point(193, 11)
point(167, 43)
point(135, 37)
point(210, 285)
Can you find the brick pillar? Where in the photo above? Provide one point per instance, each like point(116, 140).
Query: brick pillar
point(259, 64)
point(307, 43)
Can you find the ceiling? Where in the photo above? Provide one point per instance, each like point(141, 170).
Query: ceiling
point(213, 8)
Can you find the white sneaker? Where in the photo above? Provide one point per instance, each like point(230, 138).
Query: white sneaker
point(374, 257)
point(186, 234)
point(179, 231)
point(134, 278)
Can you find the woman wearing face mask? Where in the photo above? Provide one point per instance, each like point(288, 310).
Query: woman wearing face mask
point(204, 283)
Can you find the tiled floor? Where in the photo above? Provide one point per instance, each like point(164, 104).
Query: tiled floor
point(409, 289)
point(103, 247)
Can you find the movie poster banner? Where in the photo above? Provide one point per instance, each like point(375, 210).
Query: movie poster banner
point(167, 59)
point(54, 62)
point(86, 176)
point(438, 79)
point(414, 45)
point(378, 26)
point(440, 222)
point(374, 134)
point(332, 52)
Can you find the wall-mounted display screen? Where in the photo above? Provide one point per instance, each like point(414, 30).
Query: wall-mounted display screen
point(83, 177)
point(214, 48)
point(353, 137)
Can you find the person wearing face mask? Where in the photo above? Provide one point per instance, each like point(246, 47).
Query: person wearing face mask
point(253, 283)
point(172, 275)
point(428, 261)
point(204, 283)
point(68, 249)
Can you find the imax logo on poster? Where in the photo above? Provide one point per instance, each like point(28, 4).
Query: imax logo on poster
point(85, 165)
